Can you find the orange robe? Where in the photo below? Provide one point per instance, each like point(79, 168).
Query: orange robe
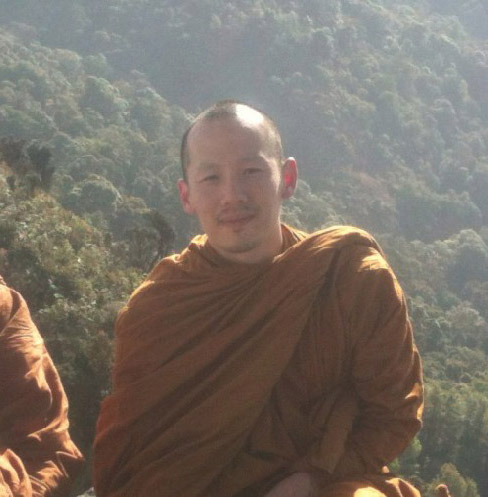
point(37, 456)
point(228, 377)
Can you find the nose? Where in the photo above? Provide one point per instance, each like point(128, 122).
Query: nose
point(233, 190)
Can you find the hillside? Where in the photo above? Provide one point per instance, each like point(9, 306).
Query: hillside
point(384, 104)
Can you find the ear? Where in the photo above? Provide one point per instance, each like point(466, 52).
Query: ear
point(184, 192)
point(289, 177)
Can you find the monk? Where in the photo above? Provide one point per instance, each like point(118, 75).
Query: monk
point(37, 456)
point(261, 361)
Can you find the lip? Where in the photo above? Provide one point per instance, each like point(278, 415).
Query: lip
point(236, 221)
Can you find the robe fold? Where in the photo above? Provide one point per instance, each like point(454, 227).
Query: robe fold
point(228, 377)
point(37, 456)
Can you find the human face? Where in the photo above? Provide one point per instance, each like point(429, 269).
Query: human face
point(235, 186)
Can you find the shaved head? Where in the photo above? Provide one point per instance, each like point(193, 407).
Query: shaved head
point(232, 109)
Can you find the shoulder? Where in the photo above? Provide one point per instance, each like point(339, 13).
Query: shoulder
point(346, 236)
point(363, 276)
point(171, 272)
point(19, 336)
point(353, 247)
point(7, 303)
point(166, 270)
point(359, 260)
point(191, 263)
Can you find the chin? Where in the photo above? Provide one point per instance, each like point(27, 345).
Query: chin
point(236, 245)
point(239, 248)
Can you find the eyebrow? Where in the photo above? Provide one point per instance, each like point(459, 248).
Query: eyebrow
point(253, 158)
point(203, 166)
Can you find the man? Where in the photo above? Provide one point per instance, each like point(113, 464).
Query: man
point(37, 456)
point(261, 361)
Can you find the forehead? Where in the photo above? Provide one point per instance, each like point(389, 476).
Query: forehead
point(230, 135)
point(249, 116)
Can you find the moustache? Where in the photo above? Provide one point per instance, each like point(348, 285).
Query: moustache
point(235, 214)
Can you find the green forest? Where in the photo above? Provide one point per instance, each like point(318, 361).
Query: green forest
point(384, 103)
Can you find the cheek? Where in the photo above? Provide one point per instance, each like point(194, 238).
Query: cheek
point(267, 190)
point(204, 204)
point(268, 194)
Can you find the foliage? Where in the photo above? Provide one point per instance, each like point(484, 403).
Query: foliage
point(383, 102)
point(73, 283)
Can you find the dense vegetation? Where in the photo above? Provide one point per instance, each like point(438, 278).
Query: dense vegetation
point(384, 103)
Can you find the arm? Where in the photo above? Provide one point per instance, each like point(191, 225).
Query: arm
point(37, 456)
point(381, 405)
point(385, 370)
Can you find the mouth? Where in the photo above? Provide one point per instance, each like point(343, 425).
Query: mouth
point(235, 221)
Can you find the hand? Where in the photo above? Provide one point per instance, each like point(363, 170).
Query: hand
point(442, 491)
point(296, 485)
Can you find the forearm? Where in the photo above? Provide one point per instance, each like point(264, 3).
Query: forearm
point(369, 450)
point(359, 441)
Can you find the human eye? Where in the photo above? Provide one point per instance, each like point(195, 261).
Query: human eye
point(209, 178)
point(250, 171)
